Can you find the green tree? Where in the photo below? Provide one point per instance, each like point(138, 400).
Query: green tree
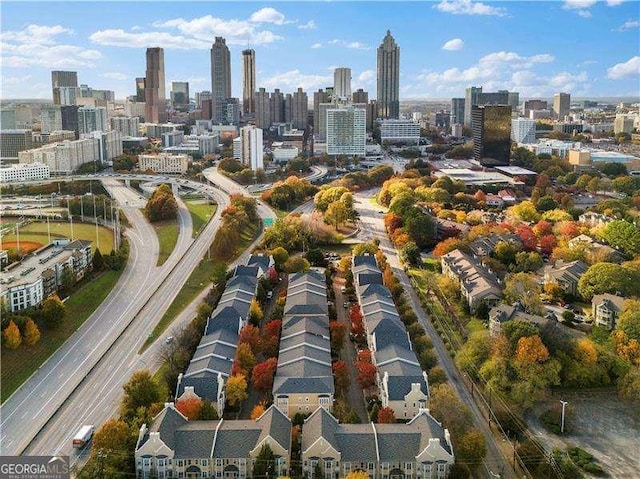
point(471, 449)
point(546, 203)
point(475, 352)
point(208, 412)
point(141, 391)
point(524, 288)
point(115, 439)
point(623, 235)
point(53, 311)
point(336, 214)
point(610, 278)
point(265, 464)
point(445, 406)
point(528, 261)
point(629, 385)
point(629, 320)
point(98, 261)
point(280, 256)
point(505, 252)
point(11, 336)
point(410, 254)
point(296, 264)
point(420, 227)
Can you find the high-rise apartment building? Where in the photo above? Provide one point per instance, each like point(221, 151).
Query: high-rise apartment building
point(220, 77)
point(360, 96)
point(12, 142)
point(60, 79)
point(7, 118)
point(457, 111)
point(523, 130)
point(50, 118)
point(319, 97)
point(154, 91)
point(491, 134)
point(276, 106)
point(180, 95)
point(248, 80)
point(346, 130)
point(248, 147)
point(262, 108)
point(300, 110)
point(92, 118)
point(70, 119)
point(561, 105)
point(342, 82)
point(140, 86)
point(388, 78)
point(470, 99)
point(202, 96)
point(126, 125)
point(69, 95)
point(533, 105)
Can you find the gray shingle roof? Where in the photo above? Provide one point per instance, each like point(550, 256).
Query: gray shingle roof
point(370, 277)
point(260, 261)
point(206, 387)
point(379, 289)
point(400, 386)
point(397, 446)
point(364, 259)
point(311, 385)
point(236, 439)
point(277, 425)
point(358, 444)
point(194, 440)
point(320, 423)
point(166, 423)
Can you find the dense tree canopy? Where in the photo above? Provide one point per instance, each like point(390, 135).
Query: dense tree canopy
point(162, 205)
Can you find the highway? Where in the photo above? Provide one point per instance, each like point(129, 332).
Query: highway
point(25, 414)
point(372, 226)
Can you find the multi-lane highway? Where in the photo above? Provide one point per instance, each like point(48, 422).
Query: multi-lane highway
point(371, 227)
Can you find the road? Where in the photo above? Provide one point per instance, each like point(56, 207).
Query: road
point(372, 226)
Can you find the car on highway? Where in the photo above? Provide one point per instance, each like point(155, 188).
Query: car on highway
point(169, 339)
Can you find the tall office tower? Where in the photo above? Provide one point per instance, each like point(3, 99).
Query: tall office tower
point(561, 105)
point(70, 119)
point(126, 125)
point(140, 86)
point(372, 111)
point(180, 95)
point(342, 82)
point(319, 97)
point(523, 130)
point(50, 118)
point(300, 110)
point(276, 106)
point(12, 142)
point(514, 100)
point(60, 79)
point(500, 97)
point(92, 118)
point(207, 109)
point(491, 134)
point(346, 130)
point(457, 111)
point(388, 78)
point(154, 90)
point(202, 96)
point(470, 99)
point(533, 105)
point(220, 76)
point(248, 80)
point(262, 108)
point(288, 108)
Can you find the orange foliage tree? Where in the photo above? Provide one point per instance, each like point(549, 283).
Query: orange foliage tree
point(250, 335)
point(386, 416)
point(341, 375)
point(531, 350)
point(257, 411)
point(366, 374)
point(262, 375)
point(190, 407)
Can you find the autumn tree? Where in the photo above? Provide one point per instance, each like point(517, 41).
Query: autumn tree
point(263, 374)
point(11, 336)
point(338, 332)
point(161, 205)
point(445, 406)
point(336, 214)
point(535, 370)
point(471, 449)
point(366, 376)
point(270, 338)
point(53, 311)
point(236, 389)
point(629, 385)
point(341, 376)
point(31, 333)
point(386, 416)
point(250, 335)
point(257, 411)
point(447, 246)
point(255, 312)
point(141, 391)
point(190, 407)
point(245, 358)
point(358, 474)
point(524, 288)
point(115, 436)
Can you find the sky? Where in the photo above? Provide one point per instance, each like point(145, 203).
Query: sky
point(588, 48)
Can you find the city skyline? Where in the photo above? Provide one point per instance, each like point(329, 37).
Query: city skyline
point(518, 46)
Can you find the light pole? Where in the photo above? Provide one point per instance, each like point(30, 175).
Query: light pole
point(564, 403)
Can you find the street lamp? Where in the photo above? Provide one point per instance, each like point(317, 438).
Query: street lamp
point(564, 403)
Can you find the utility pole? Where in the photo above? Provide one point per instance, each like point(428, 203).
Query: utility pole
point(564, 403)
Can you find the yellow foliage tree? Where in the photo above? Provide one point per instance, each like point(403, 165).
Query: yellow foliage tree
point(11, 336)
point(359, 474)
point(236, 389)
point(257, 411)
point(31, 333)
point(531, 350)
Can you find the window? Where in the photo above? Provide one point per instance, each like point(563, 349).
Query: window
point(204, 462)
point(385, 466)
point(218, 462)
point(408, 466)
point(179, 463)
point(371, 466)
point(146, 462)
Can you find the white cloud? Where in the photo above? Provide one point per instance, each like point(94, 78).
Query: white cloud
point(348, 44)
point(580, 6)
point(115, 76)
point(289, 81)
point(310, 25)
point(316, 45)
point(467, 7)
point(268, 15)
point(367, 77)
point(24, 86)
point(120, 38)
point(37, 45)
point(453, 45)
point(614, 3)
point(624, 70)
point(629, 25)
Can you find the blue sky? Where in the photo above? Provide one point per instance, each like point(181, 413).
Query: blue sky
point(585, 47)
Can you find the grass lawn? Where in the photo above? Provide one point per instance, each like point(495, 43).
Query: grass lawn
point(19, 364)
point(201, 212)
point(37, 232)
point(167, 232)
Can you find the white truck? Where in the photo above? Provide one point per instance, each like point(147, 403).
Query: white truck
point(82, 438)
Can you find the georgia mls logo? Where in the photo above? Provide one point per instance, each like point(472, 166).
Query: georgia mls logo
point(34, 467)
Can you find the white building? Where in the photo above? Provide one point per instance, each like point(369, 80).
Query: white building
point(523, 130)
point(127, 125)
point(133, 108)
point(624, 124)
point(164, 163)
point(24, 172)
point(342, 82)
point(69, 95)
point(156, 130)
point(248, 147)
point(92, 118)
point(110, 143)
point(285, 154)
point(64, 157)
point(346, 130)
point(399, 130)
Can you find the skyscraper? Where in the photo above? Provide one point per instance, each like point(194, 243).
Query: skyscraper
point(262, 108)
point(248, 80)
point(300, 109)
point(561, 104)
point(91, 118)
point(491, 134)
point(470, 99)
point(50, 119)
point(346, 130)
point(457, 111)
point(60, 79)
point(342, 82)
point(276, 106)
point(319, 97)
point(220, 77)
point(180, 95)
point(70, 119)
point(140, 85)
point(388, 78)
point(154, 90)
